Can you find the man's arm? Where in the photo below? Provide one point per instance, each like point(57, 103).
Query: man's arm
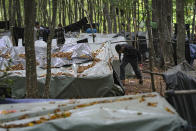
point(119, 57)
point(139, 56)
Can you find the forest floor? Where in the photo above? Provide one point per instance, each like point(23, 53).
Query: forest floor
point(132, 85)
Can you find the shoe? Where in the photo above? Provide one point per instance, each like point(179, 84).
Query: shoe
point(141, 81)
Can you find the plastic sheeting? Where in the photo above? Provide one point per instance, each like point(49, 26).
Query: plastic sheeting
point(95, 81)
point(147, 112)
point(99, 79)
point(183, 77)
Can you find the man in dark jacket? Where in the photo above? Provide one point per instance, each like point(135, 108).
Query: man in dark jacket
point(60, 35)
point(130, 55)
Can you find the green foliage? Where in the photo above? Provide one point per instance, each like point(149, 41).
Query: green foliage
point(153, 25)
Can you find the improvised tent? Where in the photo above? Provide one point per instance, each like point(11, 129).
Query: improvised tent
point(94, 78)
point(183, 77)
point(135, 112)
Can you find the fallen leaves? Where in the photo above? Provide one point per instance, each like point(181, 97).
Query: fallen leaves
point(139, 113)
point(142, 99)
point(168, 110)
point(153, 104)
point(58, 74)
point(22, 56)
point(16, 67)
point(63, 55)
point(7, 111)
point(41, 120)
point(23, 116)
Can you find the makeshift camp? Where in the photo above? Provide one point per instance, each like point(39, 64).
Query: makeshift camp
point(79, 70)
point(182, 77)
point(137, 112)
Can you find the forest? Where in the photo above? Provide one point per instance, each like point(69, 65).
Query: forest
point(56, 55)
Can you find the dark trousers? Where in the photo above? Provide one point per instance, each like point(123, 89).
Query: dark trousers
point(134, 64)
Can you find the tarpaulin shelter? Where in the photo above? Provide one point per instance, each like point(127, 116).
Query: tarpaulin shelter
point(86, 77)
point(183, 77)
point(141, 112)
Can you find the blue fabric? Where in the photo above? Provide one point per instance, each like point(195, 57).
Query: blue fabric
point(89, 30)
point(193, 50)
point(14, 101)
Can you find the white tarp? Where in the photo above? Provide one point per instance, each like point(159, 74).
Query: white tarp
point(96, 77)
point(143, 112)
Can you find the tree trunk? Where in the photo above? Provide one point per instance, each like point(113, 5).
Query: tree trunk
point(106, 12)
point(150, 43)
point(164, 9)
point(12, 19)
point(19, 17)
point(64, 12)
point(193, 24)
point(75, 11)
point(45, 12)
point(49, 47)
point(90, 10)
point(104, 19)
point(31, 75)
point(94, 11)
point(4, 10)
point(70, 13)
point(60, 11)
point(82, 2)
point(181, 31)
point(114, 18)
point(155, 18)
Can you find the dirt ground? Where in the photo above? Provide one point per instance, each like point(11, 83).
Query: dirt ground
point(132, 85)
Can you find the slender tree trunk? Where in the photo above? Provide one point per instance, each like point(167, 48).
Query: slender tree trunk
point(106, 12)
point(104, 22)
point(99, 16)
point(64, 12)
point(50, 13)
point(155, 18)
point(45, 12)
point(70, 13)
point(49, 47)
point(113, 10)
point(150, 43)
point(10, 12)
point(11, 19)
point(119, 23)
point(82, 2)
point(94, 11)
point(181, 31)
point(90, 10)
point(31, 75)
point(76, 10)
point(60, 10)
point(193, 24)
point(4, 11)
point(19, 17)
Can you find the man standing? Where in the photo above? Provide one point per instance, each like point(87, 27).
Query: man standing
point(132, 56)
point(60, 35)
point(36, 31)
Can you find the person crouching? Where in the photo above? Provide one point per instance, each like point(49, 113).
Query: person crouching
point(130, 55)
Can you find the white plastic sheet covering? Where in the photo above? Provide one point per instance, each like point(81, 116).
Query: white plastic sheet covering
point(96, 81)
point(5, 42)
point(143, 112)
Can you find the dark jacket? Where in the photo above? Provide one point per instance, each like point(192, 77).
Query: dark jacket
point(130, 53)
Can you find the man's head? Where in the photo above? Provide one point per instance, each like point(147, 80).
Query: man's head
point(119, 48)
point(37, 25)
